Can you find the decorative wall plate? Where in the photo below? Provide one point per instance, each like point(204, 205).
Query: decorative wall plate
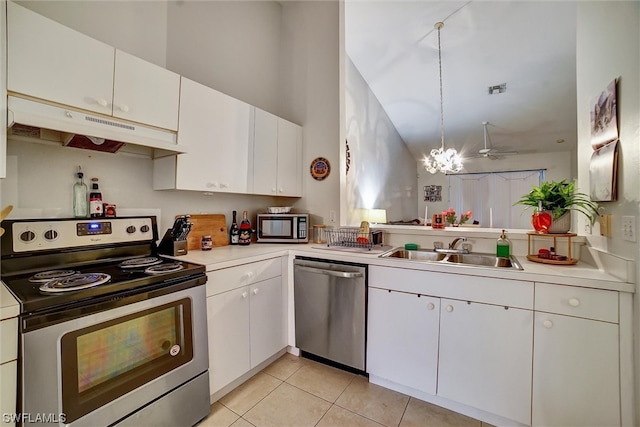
point(320, 168)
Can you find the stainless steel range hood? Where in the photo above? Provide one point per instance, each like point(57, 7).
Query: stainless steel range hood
point(31, 118)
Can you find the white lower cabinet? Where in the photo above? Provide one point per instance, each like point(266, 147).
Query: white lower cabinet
point(8, 369)
point(228, 329)
point(485, 357)
point(576, 369)
point(245, 319)
point(402, 342)
point(265, 320)
point(455, 339)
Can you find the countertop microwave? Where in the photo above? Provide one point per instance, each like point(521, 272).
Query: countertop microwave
point(282, 228)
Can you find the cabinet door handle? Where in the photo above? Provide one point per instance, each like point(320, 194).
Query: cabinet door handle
point(124, 108)
point(248, 275)
point(282, 190)
point(574, 302)
point(244, 295)
point(449, 308)
point(68, 114)
point(547, 324)
point(431, 306)
point(212, 185)
point(255, 291)
point(102, 102)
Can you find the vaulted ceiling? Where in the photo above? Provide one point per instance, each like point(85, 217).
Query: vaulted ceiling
point(527, 45)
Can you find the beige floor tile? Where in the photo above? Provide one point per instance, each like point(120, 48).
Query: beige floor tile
point(242, 423)
point(285, 366)
point(374, 402)
point(423, 414)
point(219, 416)
point(288, 406)
point(245, 396)
point(340, 417)
point(321, 380)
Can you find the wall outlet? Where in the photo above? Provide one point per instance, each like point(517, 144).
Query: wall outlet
point(332, 216)
point(629, 228)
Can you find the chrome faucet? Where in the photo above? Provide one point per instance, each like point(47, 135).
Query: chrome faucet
point(452, 246)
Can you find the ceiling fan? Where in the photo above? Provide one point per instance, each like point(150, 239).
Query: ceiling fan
point(489, 152)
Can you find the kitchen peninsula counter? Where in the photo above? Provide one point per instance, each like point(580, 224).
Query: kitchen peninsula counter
point(581, 274)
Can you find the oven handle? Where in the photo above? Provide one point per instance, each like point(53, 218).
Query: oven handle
point(332, 273)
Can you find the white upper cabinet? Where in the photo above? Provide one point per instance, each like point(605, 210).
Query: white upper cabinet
point(145, 93)
point(277, 156)
point(289, 159)
point(50, 61)
point(215, 129)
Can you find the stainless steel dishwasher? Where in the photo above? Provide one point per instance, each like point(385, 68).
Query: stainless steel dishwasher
point(330, 310)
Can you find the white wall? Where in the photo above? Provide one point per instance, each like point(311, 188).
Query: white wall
point(136, 27)
point(608, 47)
point(381, 173)
point(231, 46)
point(310, 90)
point(289, 52)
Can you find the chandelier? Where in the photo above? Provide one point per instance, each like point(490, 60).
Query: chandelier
point(442, 160)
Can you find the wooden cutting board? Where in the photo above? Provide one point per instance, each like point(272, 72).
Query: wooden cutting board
point(214, 225)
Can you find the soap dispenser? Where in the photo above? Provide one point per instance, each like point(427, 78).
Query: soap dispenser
point(503, 246)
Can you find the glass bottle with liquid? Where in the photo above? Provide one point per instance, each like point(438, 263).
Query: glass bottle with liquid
point(503, 246)
point(234, 231)
point(80, 191)
point(95, 200)
point(244, 238)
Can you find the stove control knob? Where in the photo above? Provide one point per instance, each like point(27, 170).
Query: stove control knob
point(131, 229)
point(27, 236)
point(144, 228)
point(50, 234)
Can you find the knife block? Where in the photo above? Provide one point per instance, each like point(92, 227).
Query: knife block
point(168, 246)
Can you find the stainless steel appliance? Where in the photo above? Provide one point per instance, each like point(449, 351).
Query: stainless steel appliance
point(109, 332)
point(282, 228)
point(330, 310)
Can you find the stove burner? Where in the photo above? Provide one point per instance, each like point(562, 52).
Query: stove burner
point(45, 276)
point(164, 268)
point(75, 282)
point(140, 262)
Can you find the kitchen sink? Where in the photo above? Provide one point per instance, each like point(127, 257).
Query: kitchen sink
point(471, 259)
point(417, 254)
point(485, 260)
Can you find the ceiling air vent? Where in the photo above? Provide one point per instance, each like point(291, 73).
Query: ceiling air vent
point(497, 89)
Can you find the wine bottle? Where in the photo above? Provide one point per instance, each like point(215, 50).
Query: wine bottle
point(234, 231)
point(80, 204)
point(95, 200)
point(244, 238)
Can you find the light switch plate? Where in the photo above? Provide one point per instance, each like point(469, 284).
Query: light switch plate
point(605, 225)
point(629, 228)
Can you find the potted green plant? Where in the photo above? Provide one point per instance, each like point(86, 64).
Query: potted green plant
point(559, 198)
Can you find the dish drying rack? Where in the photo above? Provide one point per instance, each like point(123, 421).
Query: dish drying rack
point(351, 237)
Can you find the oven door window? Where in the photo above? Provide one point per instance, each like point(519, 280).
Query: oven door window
point(105, 361)
point(281, 228)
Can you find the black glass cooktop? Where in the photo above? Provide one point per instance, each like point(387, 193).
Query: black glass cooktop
point(122, 280)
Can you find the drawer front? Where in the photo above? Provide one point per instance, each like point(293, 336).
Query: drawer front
point(596, 304)
point(512, 293)
point(226, 279)
point(9, 334)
